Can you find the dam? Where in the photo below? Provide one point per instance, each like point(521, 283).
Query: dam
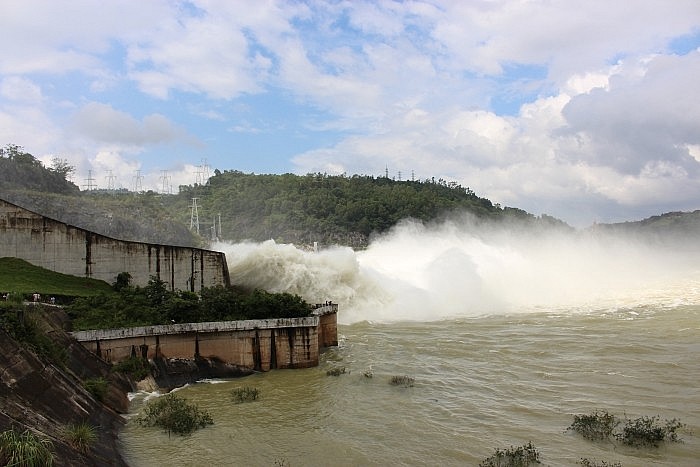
point(60, 247)
point(257, 345)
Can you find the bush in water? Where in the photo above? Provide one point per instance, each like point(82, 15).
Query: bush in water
point(585, 462)
point(595, 426)
point(640, 432)
point(245, 394)
point(513, 457)
point(174, 414)
point(402, 380)
point(336, 371)
point(647, 431)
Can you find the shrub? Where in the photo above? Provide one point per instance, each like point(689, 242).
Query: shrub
point(640, 432)
point(97, 387)
point(245, 394)
point(135, 367)
point(585, 462)
point(21, 322)
point(402, 380)
point(336, 371)
point(80, 435)
point(513, 457)
point(174, 414)
point(25, 449)
point(647, 431)
point(596, 426)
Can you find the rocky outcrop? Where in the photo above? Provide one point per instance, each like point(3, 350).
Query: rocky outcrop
point(43, 397)
point(175, 372)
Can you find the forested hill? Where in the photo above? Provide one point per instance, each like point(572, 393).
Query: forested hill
point(236, 206)
point(669, 226)
point(331, 209)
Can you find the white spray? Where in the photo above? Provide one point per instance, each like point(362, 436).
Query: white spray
point(464, 268)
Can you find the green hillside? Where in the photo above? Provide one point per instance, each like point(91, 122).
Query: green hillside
point(330, 209)
point(19, 276)
point(236, 206)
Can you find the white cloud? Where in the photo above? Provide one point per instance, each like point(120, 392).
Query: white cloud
point(57, 37)
point(102, 123)
point(607, 116)
point(15, 88)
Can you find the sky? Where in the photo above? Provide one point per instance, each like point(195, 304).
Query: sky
point(586, 111)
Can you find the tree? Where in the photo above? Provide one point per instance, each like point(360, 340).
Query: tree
point(16, 154)
point(61, 167)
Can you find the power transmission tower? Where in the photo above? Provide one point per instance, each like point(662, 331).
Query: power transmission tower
point(165, 179)
point(138, 178)
point(110, 181)
point(194, 215)
point(90, 182)
point(202, 174)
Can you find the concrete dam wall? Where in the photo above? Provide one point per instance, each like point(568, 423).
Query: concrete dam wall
point(63, 248)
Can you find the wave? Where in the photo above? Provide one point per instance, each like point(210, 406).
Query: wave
point(462, 268)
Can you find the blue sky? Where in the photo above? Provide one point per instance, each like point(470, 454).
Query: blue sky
point(588, 114)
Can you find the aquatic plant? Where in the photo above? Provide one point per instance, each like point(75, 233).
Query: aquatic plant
point(25, 449)
point(337, 371)
point(648, 431)
point(244, 394)
point(585, 462)
point(596, 426)
point(640, 432)
point(513, 457)
point(174, 414)
point(80, 435)
point(402, 380)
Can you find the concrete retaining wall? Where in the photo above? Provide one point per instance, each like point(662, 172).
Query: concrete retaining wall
point(71, 250)
point(260, 345)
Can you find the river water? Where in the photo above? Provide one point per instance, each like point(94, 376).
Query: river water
point(506, 338)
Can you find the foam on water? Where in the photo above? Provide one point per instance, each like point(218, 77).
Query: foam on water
point(466, 268)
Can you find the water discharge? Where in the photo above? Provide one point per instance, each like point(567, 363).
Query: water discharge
point(508, 331)
point(467, 268)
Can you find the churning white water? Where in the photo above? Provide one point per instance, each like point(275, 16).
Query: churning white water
point(508, 333)
point(464, 268)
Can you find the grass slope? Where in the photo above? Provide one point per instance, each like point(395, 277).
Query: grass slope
point(19, 276)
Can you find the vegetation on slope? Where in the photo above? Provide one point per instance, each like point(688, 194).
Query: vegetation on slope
point(332, 209)
point(20, 277)
point(20, 170)
point(235, 206)
point(670, 226)
point(154, 304)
